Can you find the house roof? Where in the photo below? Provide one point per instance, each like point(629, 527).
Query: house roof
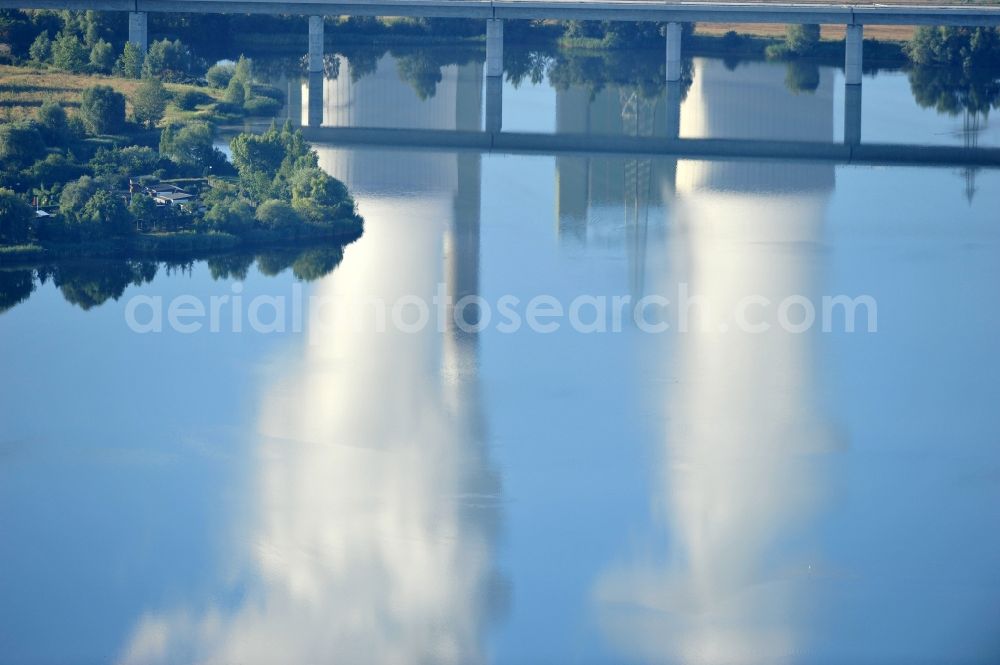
point(174, 196)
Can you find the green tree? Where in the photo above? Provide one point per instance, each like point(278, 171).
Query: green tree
point(170, 60)
point(68, 53)
point(319, 197)
point(55, 169)
point(802, 39)
point(144, 210)
point(257, 159)
point(236, 92)
point(15, 218)
point(102, 57)
point(20, 143)
point(240, 86)
point(275, 214)
point(129, 161)
point(75, 195)
point(219, 75)
point(102, 110)
point(40, 51)
point(970, 47)
point(104, 214)
point(129, 63)
point(53, 124)
point(149, 102)
point(190, 145)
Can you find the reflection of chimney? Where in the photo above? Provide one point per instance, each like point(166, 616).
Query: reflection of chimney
point(370, 539)
point(752, 102)
point(736, 480)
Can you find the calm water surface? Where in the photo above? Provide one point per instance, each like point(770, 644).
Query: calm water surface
point(342, 494)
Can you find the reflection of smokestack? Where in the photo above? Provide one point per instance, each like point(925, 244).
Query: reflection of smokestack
point(736, 479)
point(369, 538)
point(752, 102)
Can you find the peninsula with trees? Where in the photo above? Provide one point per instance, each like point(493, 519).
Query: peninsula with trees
point(105, 155)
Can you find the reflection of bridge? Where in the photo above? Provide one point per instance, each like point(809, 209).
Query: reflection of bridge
point(664, 141)
point(700, 149)
point(495, 11)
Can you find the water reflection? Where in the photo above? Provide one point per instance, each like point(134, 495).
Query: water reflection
point(374, 509)
point(736, 480)
point(91, 283)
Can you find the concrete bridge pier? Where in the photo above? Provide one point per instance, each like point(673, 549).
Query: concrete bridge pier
point(852, 114)
point(494, 47)
point(137, 32)
point(316, 48)
point(852, 53)
point(494, 104)
point(673, 52)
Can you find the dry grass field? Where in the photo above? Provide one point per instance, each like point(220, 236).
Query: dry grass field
point(885, 33)
point(24, 89)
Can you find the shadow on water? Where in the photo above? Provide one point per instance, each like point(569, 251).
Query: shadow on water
point(91, 283)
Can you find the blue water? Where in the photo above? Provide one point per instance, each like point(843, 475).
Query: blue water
point(340, 493)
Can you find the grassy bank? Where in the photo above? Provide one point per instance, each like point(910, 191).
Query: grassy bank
point(23, 89)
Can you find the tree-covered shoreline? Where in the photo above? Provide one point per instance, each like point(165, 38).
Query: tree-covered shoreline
point(128, 167)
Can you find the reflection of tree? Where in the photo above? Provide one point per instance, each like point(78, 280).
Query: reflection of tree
point(91, 284)
point(626, 68)
point(276, 261)
point(525, 64)
point(318, 262)
point(16, 286)
point(421, 67)
point(363, 60)
point(966, 90)
point(422, 72)
point(954, 90)
point(802, 75)
point(230, 266)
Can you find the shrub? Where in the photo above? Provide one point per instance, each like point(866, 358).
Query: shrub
point(53, 124)
point(262, 106)
point(20, 143)
point(188, 100)
point(269, 91)
point(149, 102)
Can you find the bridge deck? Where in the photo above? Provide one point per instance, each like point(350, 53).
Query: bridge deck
point(812, 11)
